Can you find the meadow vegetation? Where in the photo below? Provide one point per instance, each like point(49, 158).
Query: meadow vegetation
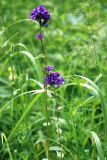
point(75, 44)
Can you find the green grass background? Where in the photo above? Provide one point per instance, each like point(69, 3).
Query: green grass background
point(76, 44)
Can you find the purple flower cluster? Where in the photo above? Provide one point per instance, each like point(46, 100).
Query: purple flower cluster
point(39, 36)
point(54, 78)
point(49, 68)
point(41, 15)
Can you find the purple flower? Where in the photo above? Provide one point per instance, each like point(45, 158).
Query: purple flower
point(54, 79)
point(39, 36)
point(41, 15)
point(49, 68)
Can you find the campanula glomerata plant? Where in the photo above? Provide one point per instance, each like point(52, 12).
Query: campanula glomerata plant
point(41, 15)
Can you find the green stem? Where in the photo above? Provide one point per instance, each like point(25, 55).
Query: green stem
point(46, 100)
point(57, 114)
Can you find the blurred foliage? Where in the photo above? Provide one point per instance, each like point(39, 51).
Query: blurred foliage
point(76, 45)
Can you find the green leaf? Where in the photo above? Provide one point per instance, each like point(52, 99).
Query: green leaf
point(98, 145)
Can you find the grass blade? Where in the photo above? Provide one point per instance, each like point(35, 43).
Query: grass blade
point(98, 145)
point(8, 148)
point(23, 116)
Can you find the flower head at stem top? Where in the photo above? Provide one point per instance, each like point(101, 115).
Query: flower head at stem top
point(41, 15)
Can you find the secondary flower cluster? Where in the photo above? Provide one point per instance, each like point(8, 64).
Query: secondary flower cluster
point(49, 68)
point(39, 36)
point(53, 78)
point(41, 15)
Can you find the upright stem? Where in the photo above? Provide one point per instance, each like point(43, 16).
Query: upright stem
point(57, 114)
point(46, 104)
point(43, 50)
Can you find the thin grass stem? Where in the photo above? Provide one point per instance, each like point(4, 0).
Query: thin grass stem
point(46, 98)
point(57, 114)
